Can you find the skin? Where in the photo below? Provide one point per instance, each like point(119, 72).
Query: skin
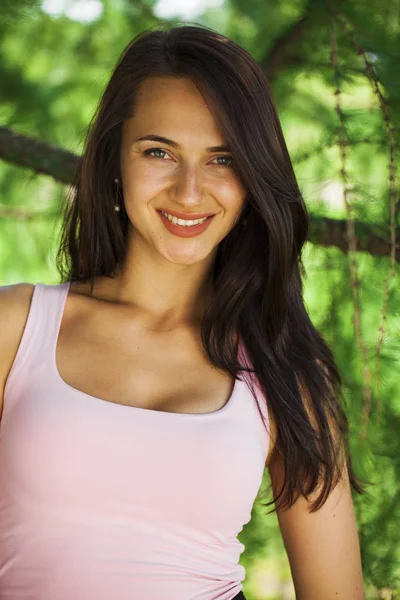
point(322, 547)
point(164, 284)
point(164, 276)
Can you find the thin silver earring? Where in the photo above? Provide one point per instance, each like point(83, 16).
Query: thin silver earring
point(117, 207)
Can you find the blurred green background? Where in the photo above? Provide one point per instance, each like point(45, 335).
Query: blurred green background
point(334, 73)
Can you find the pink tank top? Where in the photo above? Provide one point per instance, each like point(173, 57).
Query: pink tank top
point(101, 501)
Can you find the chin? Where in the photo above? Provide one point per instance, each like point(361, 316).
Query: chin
point(190, 255)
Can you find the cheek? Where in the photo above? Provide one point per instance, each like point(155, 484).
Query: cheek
point(142, 183)
point(231, 196)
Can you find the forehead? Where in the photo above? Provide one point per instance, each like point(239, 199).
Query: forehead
point(179, 89)
point(173, 104)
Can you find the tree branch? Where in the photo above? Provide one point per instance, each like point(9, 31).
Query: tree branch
point(284, 51)
point(48, 159)
point(371, 238)
point(41, 157)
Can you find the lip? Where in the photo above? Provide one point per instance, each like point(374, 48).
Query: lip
point(186, 216)
point(184, 232)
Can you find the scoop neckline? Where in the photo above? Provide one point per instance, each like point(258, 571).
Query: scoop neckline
point(115, 405)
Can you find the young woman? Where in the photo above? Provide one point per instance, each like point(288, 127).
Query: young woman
point(145, 395)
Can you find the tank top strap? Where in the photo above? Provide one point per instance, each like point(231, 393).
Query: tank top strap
point(253, 383)
point(40, 334)
point(48, 310)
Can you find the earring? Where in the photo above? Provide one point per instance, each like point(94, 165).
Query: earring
point(117, 207)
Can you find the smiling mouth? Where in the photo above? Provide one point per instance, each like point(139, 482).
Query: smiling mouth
point(184, 222)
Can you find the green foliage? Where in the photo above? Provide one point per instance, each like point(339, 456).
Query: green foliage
point(53, 71)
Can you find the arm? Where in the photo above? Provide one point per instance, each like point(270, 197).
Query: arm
point(322, 547)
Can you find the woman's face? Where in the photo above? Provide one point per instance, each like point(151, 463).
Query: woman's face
point(184, 173)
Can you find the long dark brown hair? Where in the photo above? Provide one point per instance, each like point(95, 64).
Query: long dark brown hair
point(257, 286)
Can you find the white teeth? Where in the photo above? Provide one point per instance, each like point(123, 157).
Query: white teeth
point(183, 222)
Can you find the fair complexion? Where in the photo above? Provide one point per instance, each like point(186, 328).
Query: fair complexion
point(166, 278)
point(323, 547)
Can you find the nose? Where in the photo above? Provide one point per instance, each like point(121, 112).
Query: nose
point(188, 188)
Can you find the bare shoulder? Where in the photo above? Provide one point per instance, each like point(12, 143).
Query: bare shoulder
point(15, 301)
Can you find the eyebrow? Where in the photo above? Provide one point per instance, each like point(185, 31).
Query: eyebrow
point(164, 140)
